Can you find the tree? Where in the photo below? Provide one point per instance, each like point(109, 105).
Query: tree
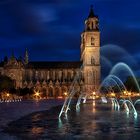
point(25, 91)
point(5, 59)
point(130, 84)
point(6, 83)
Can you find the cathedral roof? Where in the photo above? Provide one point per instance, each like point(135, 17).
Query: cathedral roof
point(54, 65)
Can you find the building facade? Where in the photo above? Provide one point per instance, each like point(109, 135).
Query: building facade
point(55, 78)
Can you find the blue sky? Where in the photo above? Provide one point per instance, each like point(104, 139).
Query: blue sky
point(51, 29)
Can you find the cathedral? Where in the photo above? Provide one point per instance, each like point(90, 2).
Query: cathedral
point(55, 78)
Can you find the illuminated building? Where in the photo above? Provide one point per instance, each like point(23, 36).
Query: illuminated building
point(55, 78)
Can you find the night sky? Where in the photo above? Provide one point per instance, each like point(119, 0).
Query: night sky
point(50, 30)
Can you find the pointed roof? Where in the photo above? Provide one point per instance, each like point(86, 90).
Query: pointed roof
point(91, 13)
point(12, 55)
point(13, 58)
point(26, 51)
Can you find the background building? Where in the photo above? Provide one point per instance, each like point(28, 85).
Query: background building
point(55, 78)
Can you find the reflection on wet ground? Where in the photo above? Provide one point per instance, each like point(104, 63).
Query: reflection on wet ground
point(94, 121)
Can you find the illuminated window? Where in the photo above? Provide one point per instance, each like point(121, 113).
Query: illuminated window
point(92, 41)
point(92, 60)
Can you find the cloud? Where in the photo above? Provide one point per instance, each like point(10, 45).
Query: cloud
point(44, 13)
point(122, 36)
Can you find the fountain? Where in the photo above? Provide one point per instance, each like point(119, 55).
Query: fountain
point(104, 100)
point(79, 101)
point(115, 103)
point(121, 65)
point(136, 102)
point(71, 93)
point(114, 79)
point(130, 103)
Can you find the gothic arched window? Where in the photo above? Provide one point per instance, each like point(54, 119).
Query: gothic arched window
point(50, 94)
point(92, 41)
point(92, 60)
point(88, 25)
point(92, 25)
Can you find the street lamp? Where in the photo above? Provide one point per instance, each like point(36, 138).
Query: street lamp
point(124, 92)
point(129, 93)
point(94, 93)
point(37, 93)
point(113, 94)
point(65, 93)
point(7, 94)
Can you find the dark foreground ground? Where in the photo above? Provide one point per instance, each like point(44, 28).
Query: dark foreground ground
point(93, 121)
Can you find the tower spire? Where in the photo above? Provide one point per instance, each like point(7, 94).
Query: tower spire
point(91, 13)
point(12, 55)
point(92, 21)
point(26, 57)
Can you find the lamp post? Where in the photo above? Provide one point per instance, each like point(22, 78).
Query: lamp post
point(94, 94)
point(7, 94)
point(37, 95)
point(65, 94)
point(113, 94)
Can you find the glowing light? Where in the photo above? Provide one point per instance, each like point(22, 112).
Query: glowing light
point(7, 94)
point(60, 97)
point(93, 103)
point(97, 96)
point(129, 93)
point(94, 93)
point(37, 93)
point(113, 94)
point(124, 92)
point(65, 93)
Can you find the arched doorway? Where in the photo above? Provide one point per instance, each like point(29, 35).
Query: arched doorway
point(50, 92)
point(44, 91)
point(57, 92)
point(64, 89)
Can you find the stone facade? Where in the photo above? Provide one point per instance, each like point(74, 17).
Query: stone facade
point(55, 78)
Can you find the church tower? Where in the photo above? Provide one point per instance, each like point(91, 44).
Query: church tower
point(90, 53)
point(26, 57)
